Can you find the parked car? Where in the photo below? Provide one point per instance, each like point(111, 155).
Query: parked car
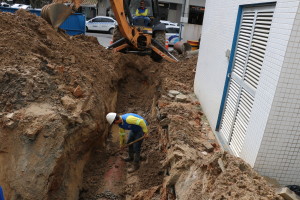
point(172, 34)
point(168, 23)
point(3, 4)
point(21, 6)
point(101, 23)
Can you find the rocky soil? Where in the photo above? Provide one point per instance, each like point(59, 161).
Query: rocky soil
point(55, 143)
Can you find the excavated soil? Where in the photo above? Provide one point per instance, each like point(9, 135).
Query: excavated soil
point(55, 143)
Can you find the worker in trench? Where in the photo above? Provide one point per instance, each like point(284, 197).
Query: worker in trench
point(137, 126)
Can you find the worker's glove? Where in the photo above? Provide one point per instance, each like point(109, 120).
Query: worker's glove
point(146, 135)
point(122, 139)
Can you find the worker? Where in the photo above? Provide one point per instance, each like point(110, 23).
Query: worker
point(141, 13)
point(138, 128)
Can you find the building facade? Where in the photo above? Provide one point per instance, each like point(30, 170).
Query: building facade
point(248, 82)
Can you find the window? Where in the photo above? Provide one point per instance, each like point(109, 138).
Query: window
point(173, 6)
point(107, 20)
point(196, 15)
point(172, 30)
point(96, 20)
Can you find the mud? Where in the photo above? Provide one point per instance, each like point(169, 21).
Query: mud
point(55, 91)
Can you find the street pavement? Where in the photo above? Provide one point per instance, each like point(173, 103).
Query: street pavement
point(103, 38)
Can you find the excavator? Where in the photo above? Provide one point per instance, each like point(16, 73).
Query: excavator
point(130, 35)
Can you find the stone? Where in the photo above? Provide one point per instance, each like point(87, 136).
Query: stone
point(181, 98)
point(78, 92)
point(10, 115)
point(68, 102)
point(171, 96)
point(208, 146)
point(221, 164)
point(174, 92)
point(11, 124)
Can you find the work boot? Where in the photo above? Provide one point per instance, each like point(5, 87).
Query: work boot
point(137, 157)
point(135, 167)
point(129, 158)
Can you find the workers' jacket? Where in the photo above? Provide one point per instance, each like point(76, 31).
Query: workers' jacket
point(133, 122)
point(141, 12)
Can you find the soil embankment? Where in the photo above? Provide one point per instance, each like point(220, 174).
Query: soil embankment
point(55, 143)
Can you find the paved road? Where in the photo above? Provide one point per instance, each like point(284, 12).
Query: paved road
point(103, 38)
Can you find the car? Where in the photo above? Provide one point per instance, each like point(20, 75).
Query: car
point(21, 6)
point(172, 34)
point(3, 4)
point(101, 23)
point(168, 23)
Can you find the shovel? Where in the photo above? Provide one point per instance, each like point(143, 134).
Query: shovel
point(56, 13)
point(127, 145)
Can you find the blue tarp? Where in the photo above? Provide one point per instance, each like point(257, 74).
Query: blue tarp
point(1, 194)
point(74, 24)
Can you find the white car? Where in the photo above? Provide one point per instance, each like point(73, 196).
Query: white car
point(168, 23)
point(3, 4)
point(101, 23)
point(172, 34)
point(21, 6)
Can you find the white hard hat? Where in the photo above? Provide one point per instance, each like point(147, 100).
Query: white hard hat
point(110, 117)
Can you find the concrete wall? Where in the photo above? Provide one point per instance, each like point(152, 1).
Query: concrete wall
point(217, 37)
point(102, 6)
point(191, 32)
point(174, 15)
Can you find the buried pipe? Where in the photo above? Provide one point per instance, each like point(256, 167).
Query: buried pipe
point(182, 47)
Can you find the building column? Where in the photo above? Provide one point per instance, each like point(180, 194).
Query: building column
point(184, 16)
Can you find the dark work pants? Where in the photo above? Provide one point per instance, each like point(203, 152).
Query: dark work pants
point(136, 147)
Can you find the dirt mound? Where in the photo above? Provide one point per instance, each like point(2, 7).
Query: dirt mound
point(54, 93)
point(194, 166)
point(179, 76)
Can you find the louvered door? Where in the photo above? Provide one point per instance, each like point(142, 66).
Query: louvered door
point(249, 56)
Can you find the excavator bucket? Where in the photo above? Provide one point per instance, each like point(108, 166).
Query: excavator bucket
point(56, 13)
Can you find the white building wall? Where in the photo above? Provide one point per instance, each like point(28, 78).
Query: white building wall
point(217, 37)
point(279, 155)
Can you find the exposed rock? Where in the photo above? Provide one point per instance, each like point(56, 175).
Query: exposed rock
point(181, 98)
point(68, 102)
point(78, 92)
point(174, 92)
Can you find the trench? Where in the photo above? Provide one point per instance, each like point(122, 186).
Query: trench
point(105, 174)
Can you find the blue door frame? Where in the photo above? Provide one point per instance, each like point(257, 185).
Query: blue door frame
point(230, 66)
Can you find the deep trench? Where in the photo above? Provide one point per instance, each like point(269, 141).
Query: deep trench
point(105, 175)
